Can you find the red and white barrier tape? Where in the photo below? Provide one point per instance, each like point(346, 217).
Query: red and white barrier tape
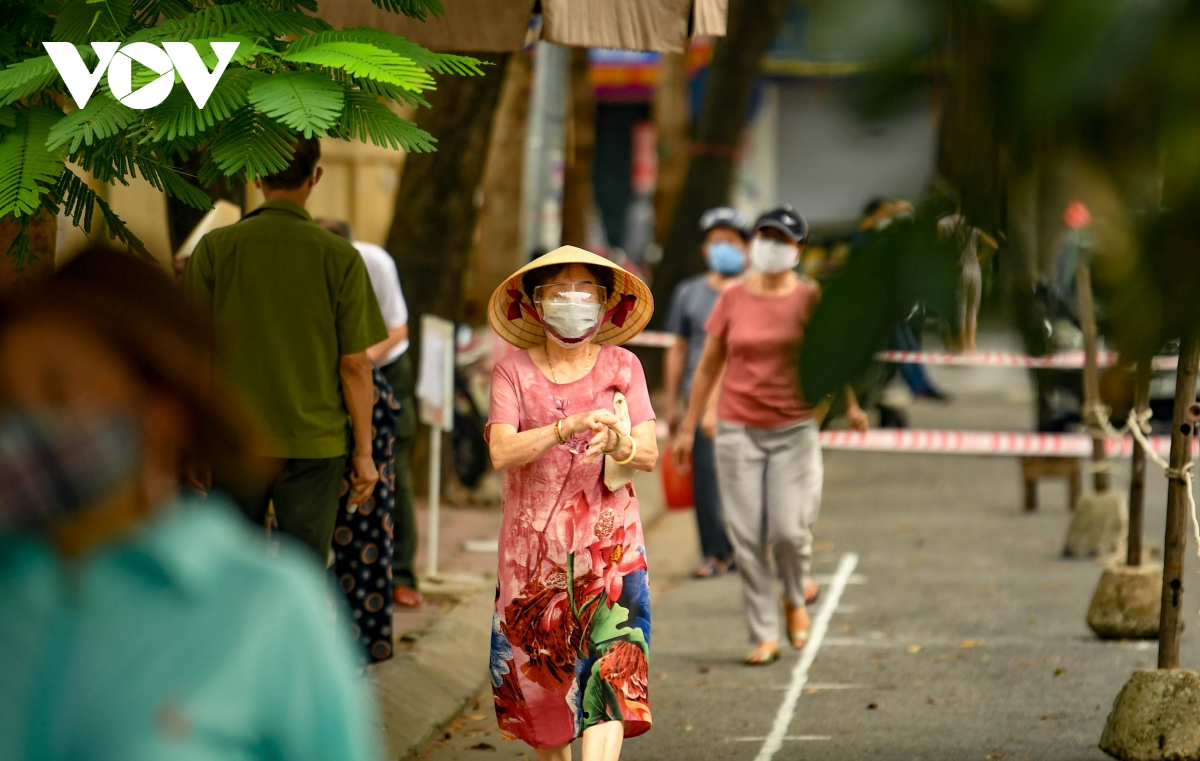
point(1016, 443)
point(1067, 360)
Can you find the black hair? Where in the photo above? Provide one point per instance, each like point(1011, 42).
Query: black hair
point(544, 275)
point(874, 205)
point(306, 152)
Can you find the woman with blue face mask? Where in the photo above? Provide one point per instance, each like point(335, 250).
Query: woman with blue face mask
point(724, 250)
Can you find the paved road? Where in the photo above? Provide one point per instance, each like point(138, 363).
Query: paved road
point(959, 635)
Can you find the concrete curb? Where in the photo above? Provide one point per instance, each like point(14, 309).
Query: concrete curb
point(422, 690)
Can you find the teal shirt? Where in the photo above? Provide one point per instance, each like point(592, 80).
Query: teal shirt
point(187, 640)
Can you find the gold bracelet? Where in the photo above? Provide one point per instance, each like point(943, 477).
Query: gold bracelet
point(632, 452)
point(558, 434)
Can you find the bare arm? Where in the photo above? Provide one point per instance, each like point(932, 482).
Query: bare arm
point(709, 372)
point(674, 365)
point(704, 383)
point(856, 415)
point(358, 393)
point(512, 449)
point(647, 447)
point(381, 349)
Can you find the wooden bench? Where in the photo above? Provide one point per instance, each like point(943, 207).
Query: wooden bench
point(1035, 468)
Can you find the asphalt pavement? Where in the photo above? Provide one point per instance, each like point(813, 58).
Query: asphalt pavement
point(950, 626)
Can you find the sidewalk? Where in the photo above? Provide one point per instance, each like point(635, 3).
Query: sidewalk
point(440, 666)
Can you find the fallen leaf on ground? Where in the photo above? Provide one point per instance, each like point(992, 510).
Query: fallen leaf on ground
point(914, 649)
point(476, 716)
point(872, 706)
point(971, 643)
point(811, 690)
point(1058, 672)
point(482, 746)
point(996, 756)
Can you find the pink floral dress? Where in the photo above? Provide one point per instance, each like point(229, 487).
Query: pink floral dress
point(571, 631)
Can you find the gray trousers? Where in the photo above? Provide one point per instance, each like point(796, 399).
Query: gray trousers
point(770, 483)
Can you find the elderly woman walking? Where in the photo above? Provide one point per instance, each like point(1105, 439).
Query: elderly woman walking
point(570, 420)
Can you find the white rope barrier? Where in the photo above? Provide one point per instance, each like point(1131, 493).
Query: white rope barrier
point(1139, 426)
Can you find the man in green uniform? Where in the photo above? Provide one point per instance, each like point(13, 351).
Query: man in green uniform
point(295, 315)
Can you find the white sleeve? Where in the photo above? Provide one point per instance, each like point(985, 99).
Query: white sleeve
point(385, 281)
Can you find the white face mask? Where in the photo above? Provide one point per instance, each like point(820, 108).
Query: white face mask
point(773, 256)
point(570, 318)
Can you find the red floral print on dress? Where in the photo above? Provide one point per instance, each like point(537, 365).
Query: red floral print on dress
point(613, 559)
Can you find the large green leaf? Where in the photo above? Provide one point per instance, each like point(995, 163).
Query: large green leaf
point(82, 21)
point(27, 167)
point(77, 200)
point(168, 180)
point(250, 145)
point(103, 117)
point(361, 59)
point(442, 63)
point(305, 101)
point(178, 115)
point(418, 9)
point(366, 118)
point(26, 78)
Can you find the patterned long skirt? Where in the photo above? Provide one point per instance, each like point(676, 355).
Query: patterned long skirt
point(362, 539)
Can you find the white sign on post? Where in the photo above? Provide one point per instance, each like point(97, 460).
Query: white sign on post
point(435, 394)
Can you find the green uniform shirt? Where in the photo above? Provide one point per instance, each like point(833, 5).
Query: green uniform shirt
point(289, 300)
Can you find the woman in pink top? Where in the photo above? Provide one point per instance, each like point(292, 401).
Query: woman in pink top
point(768, 456)
point(569, 417)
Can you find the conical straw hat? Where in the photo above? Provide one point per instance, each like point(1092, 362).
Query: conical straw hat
point(515, 325)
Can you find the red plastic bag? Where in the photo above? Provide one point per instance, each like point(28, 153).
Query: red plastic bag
point(677, 485)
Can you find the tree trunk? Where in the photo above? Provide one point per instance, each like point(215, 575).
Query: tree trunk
point(1182, 428)
point(753, 25)
point(497, 252)
point(578, 192)
point(1092, 405)
point(671, 120)
point(436, 208)
point(42, 230)
point(1137, 477)
point(182, 219)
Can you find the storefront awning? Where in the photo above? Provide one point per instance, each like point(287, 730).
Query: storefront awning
point(493, 26)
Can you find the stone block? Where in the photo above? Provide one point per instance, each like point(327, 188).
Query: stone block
point(1127, 602)
point(1156, 717)
point(1098, 525)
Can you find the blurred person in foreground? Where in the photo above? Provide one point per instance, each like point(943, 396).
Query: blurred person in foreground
point(138, 621)
point(724, 247)
point(768, 455)
point(570, 421)
point(295, 315)
point(392, 359)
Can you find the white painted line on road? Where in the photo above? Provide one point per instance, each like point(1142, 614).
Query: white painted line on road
point(821, 686)
point(825, 578)
point(787, 710)
point(789, 738)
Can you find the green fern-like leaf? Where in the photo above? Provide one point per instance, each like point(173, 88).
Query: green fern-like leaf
point(361, 59)
point(27, 168)
point(82, 21)
point(178, 115)
point(26, 78)
point(250, 145)
point(366, 118)
point(441, 63)
point(169, 181)
point(103, 116)
point(150, 12)
point(238, 19)
point(305, 101)
point(418, 9)
point(8, 117)
point(390, 92)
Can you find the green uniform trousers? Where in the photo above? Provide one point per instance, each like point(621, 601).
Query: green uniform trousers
point(306, 501)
